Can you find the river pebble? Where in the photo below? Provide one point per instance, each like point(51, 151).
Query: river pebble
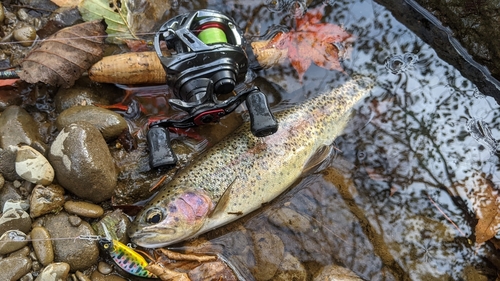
point(104, 268)
point(32, 166)
point(15, 219)
point(336, 272)
point(14, 267)
point(71, 251)
point(289, 219)
point(9, 192)
point(54, 272)
point(16, 127)
point(77, 95)
point(290, 269)
point(17, 204)
point(42, 245)
point(114, 225)
point(83, 209)
point(25, 35)
point(269, 251)
point(23, 252)
point(2, 13)
point(46, 199)
point(7, 164)
point(83, 163)
point(12, 240)
point(81, 277)
point(97, 276)
point(109, 123)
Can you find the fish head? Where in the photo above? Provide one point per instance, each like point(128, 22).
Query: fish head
point(170, 219)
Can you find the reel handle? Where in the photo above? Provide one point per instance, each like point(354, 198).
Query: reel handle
point(262, 121)
point(160, 151)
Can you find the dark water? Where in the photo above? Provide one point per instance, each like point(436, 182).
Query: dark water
point(399, 200)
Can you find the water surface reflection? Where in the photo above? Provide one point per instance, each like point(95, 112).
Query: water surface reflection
point(397, 201)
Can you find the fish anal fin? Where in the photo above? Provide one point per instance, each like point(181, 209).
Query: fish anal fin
point(318, 160)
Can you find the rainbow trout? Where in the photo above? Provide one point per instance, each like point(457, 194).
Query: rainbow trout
point(242, 172)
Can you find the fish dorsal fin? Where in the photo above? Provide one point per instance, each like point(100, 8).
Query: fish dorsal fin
point(223, 201)
point(321, 156)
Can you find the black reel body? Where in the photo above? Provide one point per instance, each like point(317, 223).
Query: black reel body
point(204, 59)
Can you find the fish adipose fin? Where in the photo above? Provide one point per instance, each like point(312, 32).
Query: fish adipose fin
point(318, 160)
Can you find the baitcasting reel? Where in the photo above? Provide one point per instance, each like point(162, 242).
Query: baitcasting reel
point(205, 60)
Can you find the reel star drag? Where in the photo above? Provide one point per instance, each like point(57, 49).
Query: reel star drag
point(204, 60)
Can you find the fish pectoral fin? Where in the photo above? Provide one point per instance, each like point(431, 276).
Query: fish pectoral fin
point(317, 160)
point(221, 205)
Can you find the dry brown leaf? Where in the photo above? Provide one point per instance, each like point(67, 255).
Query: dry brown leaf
point(487, 207)
point(63, 57)
point(166, 274)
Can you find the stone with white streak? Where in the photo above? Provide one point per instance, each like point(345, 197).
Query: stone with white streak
point(32, 166)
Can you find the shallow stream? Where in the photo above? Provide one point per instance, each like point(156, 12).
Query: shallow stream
point(397, 201)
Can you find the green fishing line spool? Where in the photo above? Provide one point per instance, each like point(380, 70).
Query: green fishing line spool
point(212, 33)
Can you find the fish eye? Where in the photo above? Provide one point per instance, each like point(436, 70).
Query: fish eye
point(154, 216)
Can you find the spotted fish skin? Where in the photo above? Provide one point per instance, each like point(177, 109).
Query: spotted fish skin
point(242, 172)
point(126, 258)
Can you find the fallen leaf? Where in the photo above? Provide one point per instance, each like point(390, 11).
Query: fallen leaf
point(8, 82)
point(312, 41)
point(66, 3)
point(114, 12)
point(61, 59)
point(487, 206)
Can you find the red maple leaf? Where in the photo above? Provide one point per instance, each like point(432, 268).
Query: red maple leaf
point(312, 41)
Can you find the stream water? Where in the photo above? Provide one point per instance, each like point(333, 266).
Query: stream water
point(397, 203)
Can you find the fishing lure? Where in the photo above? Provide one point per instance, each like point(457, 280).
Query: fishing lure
point(126, 258)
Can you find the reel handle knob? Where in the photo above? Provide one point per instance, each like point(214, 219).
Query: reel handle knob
point(160, 151)
point(262, 121)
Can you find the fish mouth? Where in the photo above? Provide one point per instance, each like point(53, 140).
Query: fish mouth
point(156, 238)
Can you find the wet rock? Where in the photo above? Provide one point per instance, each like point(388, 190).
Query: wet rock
point(25, 35)
point(78, 253)
point(113, 224)
point(289, 219)
point(109, 123)
point(54, 272)
point(42, 245)
point(104, 268)
point(23, 252)
point(336, 272)
point(18, 127)
point(14, 268)
point(32, 166)
point(12, 240)
point(83, 209)
point(7, 164)
point(269, 251)
point(16, 205)
point(97, 276)
point(82, 277)
point(2, 13)
point(83, 163)
point(46, 199)
point(75, 221)
point(27, 277)
point(15, 219)
point(290, 269)
point(77, 95)
point(9, 192)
